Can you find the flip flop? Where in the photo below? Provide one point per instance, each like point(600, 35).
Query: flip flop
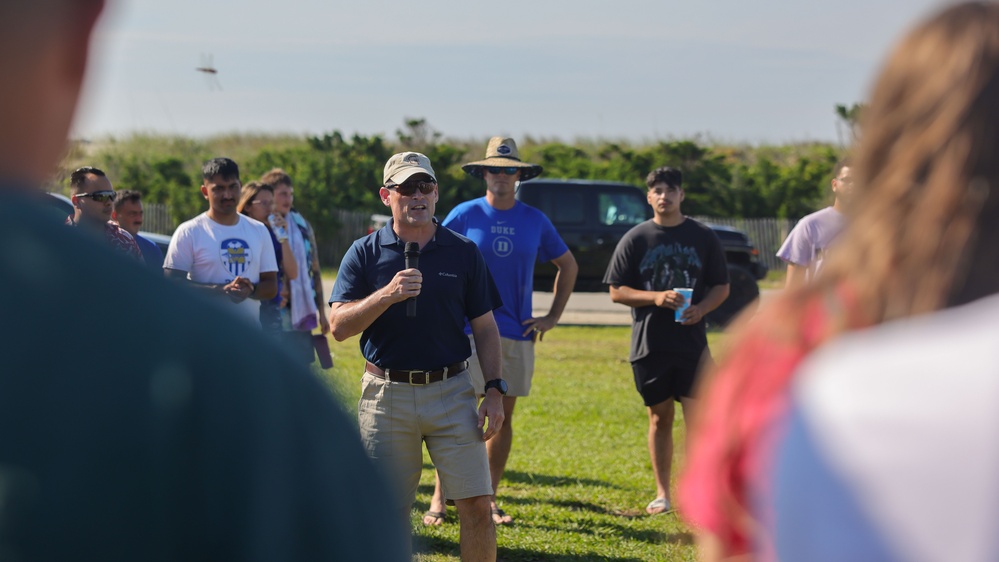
point(657, 506)
point(434, 518)
point(500, 517)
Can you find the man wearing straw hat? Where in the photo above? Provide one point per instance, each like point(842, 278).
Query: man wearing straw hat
point(512, 237)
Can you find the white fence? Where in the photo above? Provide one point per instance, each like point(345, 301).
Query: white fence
point(766, 234)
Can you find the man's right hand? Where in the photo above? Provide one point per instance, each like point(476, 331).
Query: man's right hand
point(406, 284)
point(669, 299)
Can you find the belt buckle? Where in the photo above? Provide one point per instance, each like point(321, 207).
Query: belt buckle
point(426, 379)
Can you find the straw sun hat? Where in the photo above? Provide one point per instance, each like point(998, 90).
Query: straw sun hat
point(502, 153)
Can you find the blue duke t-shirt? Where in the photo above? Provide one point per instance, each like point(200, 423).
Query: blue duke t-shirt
point(511, 242)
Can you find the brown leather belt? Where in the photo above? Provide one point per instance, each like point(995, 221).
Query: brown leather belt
point(416, 377)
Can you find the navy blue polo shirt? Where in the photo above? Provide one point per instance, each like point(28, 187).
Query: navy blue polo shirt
point(456, 285)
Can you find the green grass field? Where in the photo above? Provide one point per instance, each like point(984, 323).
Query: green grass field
point(579, 476)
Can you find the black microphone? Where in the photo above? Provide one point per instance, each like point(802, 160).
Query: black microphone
point(412, 262)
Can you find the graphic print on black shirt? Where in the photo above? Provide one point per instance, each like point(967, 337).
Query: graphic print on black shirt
point(669, 266)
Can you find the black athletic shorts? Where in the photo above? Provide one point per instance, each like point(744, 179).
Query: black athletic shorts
point(661, 377)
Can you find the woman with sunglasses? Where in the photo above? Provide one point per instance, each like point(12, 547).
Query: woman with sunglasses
point(257, 201)
point(93, 198)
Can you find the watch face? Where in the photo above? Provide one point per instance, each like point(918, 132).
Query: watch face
point(498, 384)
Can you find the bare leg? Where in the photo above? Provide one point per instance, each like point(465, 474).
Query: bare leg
point(498, 449)
point(689, 407)
point(436, 504)
point(477, 532)
point(661, 447)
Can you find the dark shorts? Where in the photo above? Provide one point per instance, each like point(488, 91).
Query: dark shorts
point(662, 377)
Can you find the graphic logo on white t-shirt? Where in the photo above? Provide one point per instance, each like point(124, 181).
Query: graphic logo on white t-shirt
point(236, 256)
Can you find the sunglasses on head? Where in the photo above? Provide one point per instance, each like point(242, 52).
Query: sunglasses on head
point(100, 196)
point(408, 189)
point(508, 170)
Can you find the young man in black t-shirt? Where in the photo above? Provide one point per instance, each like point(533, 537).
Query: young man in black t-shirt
point(653, 259)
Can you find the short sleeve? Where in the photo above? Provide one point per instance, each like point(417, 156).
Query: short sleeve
point(350, 284)
point(482, 294)
point(798, 248)
point(551, 244)
point(619, 269)
point(717, 266)
point(180, 252)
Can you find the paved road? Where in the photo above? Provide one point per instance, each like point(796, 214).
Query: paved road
point(586, 309)
point(596, 309)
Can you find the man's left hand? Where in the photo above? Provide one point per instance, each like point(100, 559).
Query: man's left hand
point(492, 408)
point(538, 326)
point(692, 315)
point(239, 289)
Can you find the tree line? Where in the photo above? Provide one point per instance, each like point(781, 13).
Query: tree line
point(333, 171)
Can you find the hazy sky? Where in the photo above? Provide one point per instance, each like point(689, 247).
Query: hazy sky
point(729, 70)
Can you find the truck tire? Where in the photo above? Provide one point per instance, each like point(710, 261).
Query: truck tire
point(743, 292)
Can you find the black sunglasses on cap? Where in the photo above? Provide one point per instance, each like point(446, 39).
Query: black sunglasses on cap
point(408, 189)
point(100, 196)
point(508, 170)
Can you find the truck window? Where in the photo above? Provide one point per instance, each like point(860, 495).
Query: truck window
point(563, 206)
point(621, 208)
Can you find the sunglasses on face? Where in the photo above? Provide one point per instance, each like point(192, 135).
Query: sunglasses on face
point(408, 189)
point(508, 170)
point(99, 196)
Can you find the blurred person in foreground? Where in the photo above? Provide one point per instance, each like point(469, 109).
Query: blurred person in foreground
point(184, 436)
point(922, 234)
point(93, 197)
point(257, 202)
point(128, 213)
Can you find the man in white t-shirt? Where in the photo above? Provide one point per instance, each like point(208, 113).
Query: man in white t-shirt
point(221, 251)
point(809, 240)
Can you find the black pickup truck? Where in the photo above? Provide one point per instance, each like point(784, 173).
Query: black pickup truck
point(592, 216)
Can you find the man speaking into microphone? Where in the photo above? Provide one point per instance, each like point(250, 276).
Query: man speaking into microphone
point(416, 386)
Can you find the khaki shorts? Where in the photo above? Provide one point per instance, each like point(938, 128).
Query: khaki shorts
point(518, 367)
point(397, 418)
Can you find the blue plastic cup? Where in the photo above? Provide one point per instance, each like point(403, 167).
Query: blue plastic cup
point(687, 295)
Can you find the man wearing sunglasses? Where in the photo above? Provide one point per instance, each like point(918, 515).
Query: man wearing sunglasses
point(179, 434)
point(416, 386)
point(93, 197)
point(512, 237)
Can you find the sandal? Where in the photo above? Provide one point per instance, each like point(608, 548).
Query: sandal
point(500, 517)
point(434, 518)
point(657, 506)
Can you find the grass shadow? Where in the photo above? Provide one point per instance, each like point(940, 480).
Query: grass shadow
point(548, 480)
point(504, 554)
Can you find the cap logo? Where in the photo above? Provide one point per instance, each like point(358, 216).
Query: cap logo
point(412, 159)
point(503, 149)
